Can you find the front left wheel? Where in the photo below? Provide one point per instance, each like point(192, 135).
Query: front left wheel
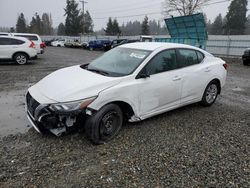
point(21, 58)
point(105, 124)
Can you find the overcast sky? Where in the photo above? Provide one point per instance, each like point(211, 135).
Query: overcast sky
point(100, 10)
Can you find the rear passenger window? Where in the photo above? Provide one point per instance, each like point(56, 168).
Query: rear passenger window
point(164, 61)
point(29, 37)
point(187, 57)
point(10, 41)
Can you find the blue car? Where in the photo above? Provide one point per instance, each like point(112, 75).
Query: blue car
point(98, 44)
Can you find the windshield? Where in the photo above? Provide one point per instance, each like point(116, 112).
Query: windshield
point(119, 61)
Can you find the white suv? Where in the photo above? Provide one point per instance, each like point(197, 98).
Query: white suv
point(39, 44)
point(18, 49)
point(131, 82)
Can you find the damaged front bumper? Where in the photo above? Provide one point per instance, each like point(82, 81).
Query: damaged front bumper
point(43, 118)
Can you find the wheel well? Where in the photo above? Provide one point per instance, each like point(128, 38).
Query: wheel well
point(217, 81)
point(20, 53)
point(126, 108)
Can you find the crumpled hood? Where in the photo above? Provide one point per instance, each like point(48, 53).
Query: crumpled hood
point(72, 83)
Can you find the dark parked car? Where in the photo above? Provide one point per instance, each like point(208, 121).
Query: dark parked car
point(126, 41)
point(98, 44)
point(246, 57)
point(48, 42)
point(114, 42)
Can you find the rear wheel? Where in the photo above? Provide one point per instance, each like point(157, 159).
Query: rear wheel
point(210, 94)
point(105, 124)
point(245, 62)
point(21, 58)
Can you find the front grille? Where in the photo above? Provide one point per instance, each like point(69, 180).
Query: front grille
point(32, 104)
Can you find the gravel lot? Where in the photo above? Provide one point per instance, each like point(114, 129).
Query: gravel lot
point(189, 147)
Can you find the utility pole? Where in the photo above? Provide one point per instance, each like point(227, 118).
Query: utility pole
point(83, 2)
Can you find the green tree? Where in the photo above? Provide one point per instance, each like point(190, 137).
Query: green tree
point(88, 23)
point(113, 28)
point(217, 26)
point(116, 28)
point(21, 24)
point(61, 29)
point(36, 25)
point(109, 28)
point(73, 22)
point(236, 17)
point(12, 30)
point(46, 24)
point(145, 26)
point(248, 25)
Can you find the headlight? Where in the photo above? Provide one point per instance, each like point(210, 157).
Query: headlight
point(72, 106)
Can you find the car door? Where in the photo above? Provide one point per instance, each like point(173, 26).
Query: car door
point(161, 90)
point(6, 48)
point(195, 74)
point(2, 49)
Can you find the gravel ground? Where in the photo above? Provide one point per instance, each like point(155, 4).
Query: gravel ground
point(189, 147)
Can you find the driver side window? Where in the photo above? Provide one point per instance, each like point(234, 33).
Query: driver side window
point(162, 62)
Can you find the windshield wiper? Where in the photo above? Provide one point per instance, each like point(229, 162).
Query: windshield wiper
point(98, 71)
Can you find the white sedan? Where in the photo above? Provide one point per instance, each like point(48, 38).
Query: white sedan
point(58, 43)
point(131, 82)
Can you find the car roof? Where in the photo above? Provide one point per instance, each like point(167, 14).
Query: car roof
point(25, 34)
point(152, 46)
point(19, 38)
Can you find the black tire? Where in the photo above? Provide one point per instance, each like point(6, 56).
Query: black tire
point(21, 58)
point(245, 63)
point(210, 94)
point(104, 125)
point(58, 45)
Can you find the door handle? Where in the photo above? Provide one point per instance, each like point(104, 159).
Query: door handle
point(176, 78)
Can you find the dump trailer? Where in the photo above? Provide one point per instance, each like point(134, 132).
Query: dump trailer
point(189, 29)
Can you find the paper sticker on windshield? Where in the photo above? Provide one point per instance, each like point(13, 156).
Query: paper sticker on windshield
point(139, 56)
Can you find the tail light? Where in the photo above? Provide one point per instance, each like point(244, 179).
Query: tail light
point(32, 44)
point(42, 45)
point(225, 66)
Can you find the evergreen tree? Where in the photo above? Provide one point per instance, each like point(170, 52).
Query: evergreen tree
point(217, 26)
point(145, 26)
point(109, 28)
point(21, 24)
point(154, 27)
point(88, 23)
point(116, 28)
point(73, 22)
point(61, 29)
point(112, 28)
point(36, 25)
point(247, 31)
point(46, 24)
point(236, 17)
point(12, 30)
